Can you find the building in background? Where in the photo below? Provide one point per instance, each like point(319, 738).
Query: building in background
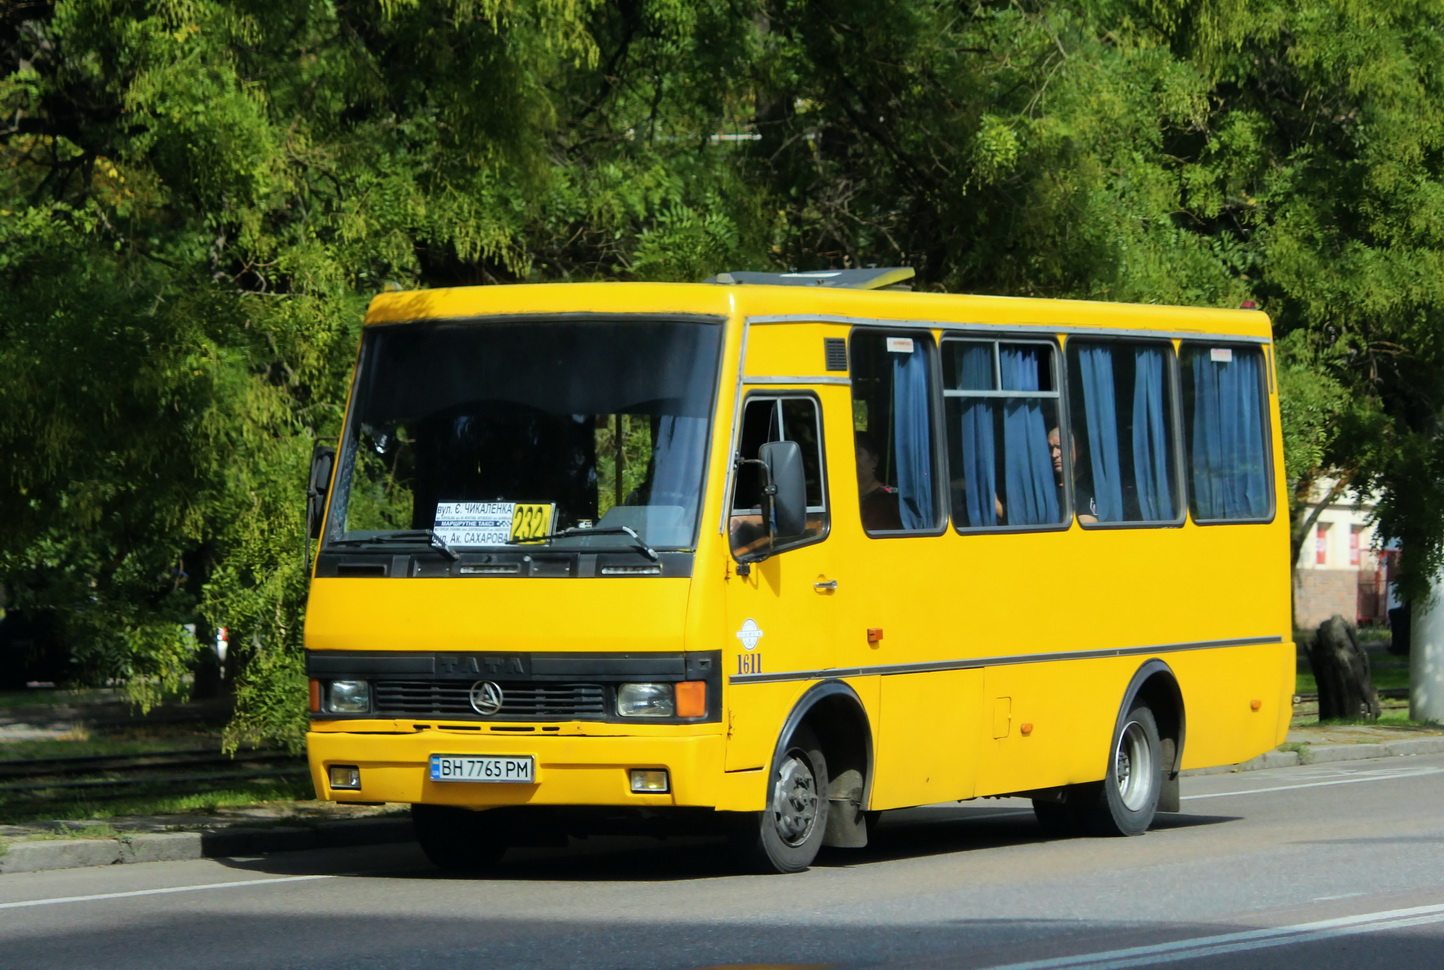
point(1341, 568)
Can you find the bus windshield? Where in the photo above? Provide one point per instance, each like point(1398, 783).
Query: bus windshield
point(489, 433)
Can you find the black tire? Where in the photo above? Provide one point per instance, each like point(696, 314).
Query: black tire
point(1126, 800)
point(786, 836)
point(459, 840)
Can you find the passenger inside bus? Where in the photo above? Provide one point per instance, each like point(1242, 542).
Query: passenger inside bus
point(879, 502)
point(1083, 503)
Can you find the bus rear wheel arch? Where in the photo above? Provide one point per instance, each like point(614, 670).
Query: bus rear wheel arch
point(1141, 774)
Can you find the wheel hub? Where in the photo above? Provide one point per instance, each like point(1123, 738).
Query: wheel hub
point(795, 800)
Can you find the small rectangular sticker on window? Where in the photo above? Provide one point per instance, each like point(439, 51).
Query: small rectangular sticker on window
point(900, 345)
point(1220, 355)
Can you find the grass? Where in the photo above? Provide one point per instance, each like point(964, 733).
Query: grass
point(1384, 676)
point(100, 830)
point(159, 802)
point(135, 735)
point(1386, 671)
point(87, 747)
point(1396, 718)
point(49, 697)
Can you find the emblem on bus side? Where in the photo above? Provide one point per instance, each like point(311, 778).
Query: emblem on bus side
point(485, 697)
point(750, 633)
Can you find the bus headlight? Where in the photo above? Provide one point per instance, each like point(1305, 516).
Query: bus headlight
point(646, 700)
point(348, 697)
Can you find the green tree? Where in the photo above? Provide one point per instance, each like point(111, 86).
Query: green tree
point(1202, 153)
point(198, 196)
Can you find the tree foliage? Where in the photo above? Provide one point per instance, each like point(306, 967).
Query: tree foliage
point(198, 196)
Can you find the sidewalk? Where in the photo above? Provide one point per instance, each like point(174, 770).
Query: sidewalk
point(291, 826)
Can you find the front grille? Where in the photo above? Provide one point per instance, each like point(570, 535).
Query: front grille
point(520, 702)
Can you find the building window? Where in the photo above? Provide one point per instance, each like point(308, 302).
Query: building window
point(1321, 546)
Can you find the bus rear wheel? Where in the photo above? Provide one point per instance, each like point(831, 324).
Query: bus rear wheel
point(460, 840)
point(1126, 800)
point(787, 834)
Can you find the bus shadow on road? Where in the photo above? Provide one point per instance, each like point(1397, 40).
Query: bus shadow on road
point(896, 837)
point(939, 830)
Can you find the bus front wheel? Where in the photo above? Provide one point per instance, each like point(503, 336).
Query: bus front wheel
point(459, 840)
point(787, 834)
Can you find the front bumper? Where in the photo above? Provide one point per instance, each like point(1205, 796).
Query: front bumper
point(570, 769)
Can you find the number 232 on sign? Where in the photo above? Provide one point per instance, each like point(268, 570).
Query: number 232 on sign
point(530, 523)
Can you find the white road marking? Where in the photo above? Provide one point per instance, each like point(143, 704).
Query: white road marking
point(1208, 946)
point(158, 892)
point(1353, 780)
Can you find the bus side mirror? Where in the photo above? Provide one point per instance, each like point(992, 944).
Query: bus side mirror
point(323, 459)
point(787, 488)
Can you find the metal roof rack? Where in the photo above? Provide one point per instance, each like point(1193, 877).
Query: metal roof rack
point(847, 279)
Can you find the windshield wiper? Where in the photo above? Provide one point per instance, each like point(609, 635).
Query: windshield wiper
point(606, 530)
point(427, 536)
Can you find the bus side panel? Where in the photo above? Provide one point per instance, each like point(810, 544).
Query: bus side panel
point(1049, 724)
point(927, 743)
point(754, 716)
point(1219, 690)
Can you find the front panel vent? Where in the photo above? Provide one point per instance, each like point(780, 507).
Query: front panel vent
point(835, 349)
point(521, 701)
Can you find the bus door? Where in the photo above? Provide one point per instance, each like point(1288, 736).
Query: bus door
point(781, 594)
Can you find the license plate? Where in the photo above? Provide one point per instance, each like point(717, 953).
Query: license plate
point(456, 767)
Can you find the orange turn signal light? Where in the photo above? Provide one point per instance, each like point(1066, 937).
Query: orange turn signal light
point(874, 634)
point(315, 696)
point(692, 698)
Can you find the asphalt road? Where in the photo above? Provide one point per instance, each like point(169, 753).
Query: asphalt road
point(1329, 866)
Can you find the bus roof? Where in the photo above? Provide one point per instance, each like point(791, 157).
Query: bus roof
point(773, 304)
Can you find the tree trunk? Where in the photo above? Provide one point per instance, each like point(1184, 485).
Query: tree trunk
point(1341, 667)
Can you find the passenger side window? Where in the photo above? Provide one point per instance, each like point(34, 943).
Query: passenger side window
point(1226, 432)
point(892, 400)
point(1121, 410)
point(1001, 406)
point(767, 419)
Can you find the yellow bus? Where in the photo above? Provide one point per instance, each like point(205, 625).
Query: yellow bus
point(770, 554)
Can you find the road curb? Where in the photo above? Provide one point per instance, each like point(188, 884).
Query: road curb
point(248, 840)
point(212, 843)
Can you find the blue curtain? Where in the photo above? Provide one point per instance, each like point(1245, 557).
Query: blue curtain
point(1229, 459)
point(1095, 368)
point(912, 442)
point(980, 472)
point(1029, 493)
point(1150, 436)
